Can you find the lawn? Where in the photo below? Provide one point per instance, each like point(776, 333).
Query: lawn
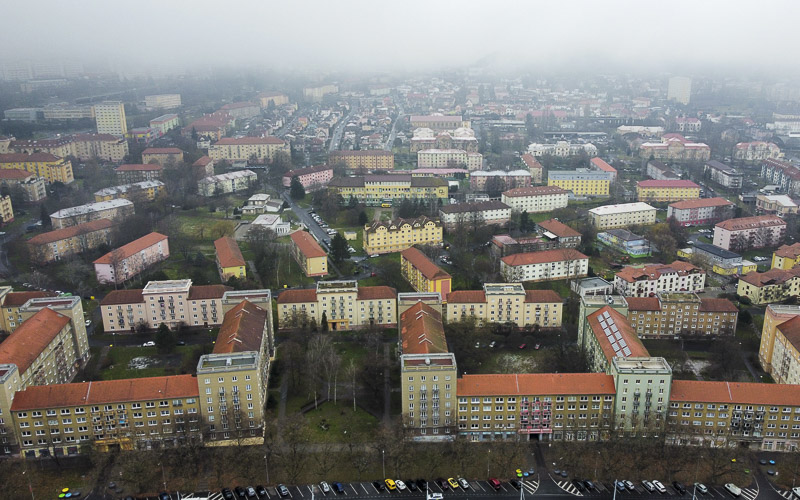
point(338, 423)
point(156, 364)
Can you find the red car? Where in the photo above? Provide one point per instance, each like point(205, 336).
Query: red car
point(537, 346)
point(523, 346)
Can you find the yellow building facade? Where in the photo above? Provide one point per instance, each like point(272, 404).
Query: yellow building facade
point(373, 159)
point(374, 190)
point(423, 274)
point(400, 234)
point(581, 183)
point(786, 257)
point(506, 303)
point(667, 190)
point(309, 255)
point(50, 167)
point(148, 190)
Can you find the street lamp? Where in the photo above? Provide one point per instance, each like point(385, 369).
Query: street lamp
point(488, 456)
point(383, 462)
point(163, 475)
point(266, 467)
point(595, 465)
point(30, 486)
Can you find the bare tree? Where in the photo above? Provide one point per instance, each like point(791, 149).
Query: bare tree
point(352, 371)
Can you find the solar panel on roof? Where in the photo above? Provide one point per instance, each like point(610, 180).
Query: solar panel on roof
point(614, 327)
point(618, 335)
point(607, 316)
point(626, 351)
point(623, 343)
point(616, 349)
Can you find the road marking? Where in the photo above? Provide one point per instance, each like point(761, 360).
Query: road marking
point(299, 491)
point(311, 489)
point(566, 486)
point(478, 484)
point(749, 493)
point(363, 488)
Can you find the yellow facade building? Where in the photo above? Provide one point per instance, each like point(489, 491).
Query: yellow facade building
point(371, 159)
point(397, 235)
point(423, 274)
point(582, 182)
point(775, 317)
point(771, 286)
point(147, 190)
point(309, 255)
point(230, 262)
point(667, 190)
point(56, 245)
point(51, 168)
point(248, 148)
point(375, 190)
point(506, 303)
point(786, 257)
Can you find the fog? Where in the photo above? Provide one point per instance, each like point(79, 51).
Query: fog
point(410, 35)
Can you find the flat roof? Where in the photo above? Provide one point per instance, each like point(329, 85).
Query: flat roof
point(622, 208)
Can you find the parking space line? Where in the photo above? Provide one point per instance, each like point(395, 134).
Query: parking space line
point(311, 489)
point(300, 491)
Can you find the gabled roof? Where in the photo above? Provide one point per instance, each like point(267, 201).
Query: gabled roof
point(655, 271)
point(421, 330)
point(735, 393)
point(228, 252)
point(236, 141)
point(466, 297)
point(376, 293)
point(789, 251)
point(31, 338)
point(614, 333)
point(555, 255)
point(162, 151)
point(297, 296)
point(131, 248)
point(701, 203)
point(14, 174)
point(118, 297)
point(307, 244)
point(542, 296)
point(558, 228)
point(69, 232)
point(132, 167)
point(397, 224)
point(16, 299)
point(744, 223)
point(425, 266)
point(200, 292)
point(242, 329)
point(678, 183)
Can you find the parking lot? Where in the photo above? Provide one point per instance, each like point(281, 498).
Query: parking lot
point(603, 490)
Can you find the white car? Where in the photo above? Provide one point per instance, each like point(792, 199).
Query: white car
point(88, 322)
point(463, 482)
point(659, 487)
point(400, 485)
point(733, 489)
point(701, 488)
point(149, 343)
point(325, 487)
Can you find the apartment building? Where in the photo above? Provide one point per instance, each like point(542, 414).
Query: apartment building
point(275, 98)
point(477, 214)
point(672, 314)
point(6, 210)
point(660, 172)
point(582, 182)
point(562, 263)
point(428, 373)
point(72, 307)
point(647, 281)
point(309, 255)
point(113, 414)
point(229, 182)
point(101, 146)
point(721, 261)
point(534, 167)
point(211, 127)
point(400, 234)
point(170, 302)
point(622, 215)
point(782, 173)
point(203, 167)
point(786, 257)
point(49, 167)
point(550, 234)
point(162, 156)
point(363, 160)
point(449, 158)
point(775, 316)
point(33, 188)
point(315, 94)
point(606, 335)
point(679, 89)
point(145, 190)
point(311, 178)
point(644, 386)
point(132, 173)
point(10, 302)
point(423, 274)
point(562, 149)
point(164, 123)
point(603, 166)
point(460, 138)
point(499, 180)
point(374, 190)
point(110, 117)
point(61, 243)
point(723, 175)
point(756, 151)
point(506, 303)
point(764, 417)
point(66, 111)
point(625, 242)
point(701, 211)
point(785, 362)
point(770, 286)
point(112, 210)
point(162, 101)
point(128, 261)
point(345, 305)
point(547, 406)
point(660, 191)
point(230, 262)
point(747, 233)
point(248, 148)
point(778, 204)
point(688, 124)
point(675, 148)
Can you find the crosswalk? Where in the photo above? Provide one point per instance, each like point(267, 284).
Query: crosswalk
point(750, 493)
point(531, 485)
point(568, 487)
point(787, 494)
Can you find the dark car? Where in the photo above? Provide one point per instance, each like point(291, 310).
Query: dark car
point(620, 486)
point(282, 490)
point(240, 492)
point(678, 486)
point(442, 484)
point(227, 494)
point(379, 485)
point(578, 484)
point(338, 488)
point(588, 484)
point(422, 484)
point(164, 496)
point(412, 486)
point(515, 483)
point(261, 491)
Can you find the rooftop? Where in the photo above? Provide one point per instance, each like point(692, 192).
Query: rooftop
point(31, 338)
point(558, 228)
point(70, 232)
point(131, 167)
point(756, 222)
point(242, 329)
point(131, 248)
point(421, 330)
point(616, 336)
point(701, 203)
point(89, 208)
point(531, 384)
point(677, 183)
point(425, 266)
point(556, 255)
point(735, 393)
point(622, 208)
point(228, 253)
point(534, 191)
point(478, 206)
point(307, 244)
point(246, 141)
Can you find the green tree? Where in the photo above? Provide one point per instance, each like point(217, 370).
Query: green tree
point(339, 251)
point(324, 321)
point(45, 216)
point(165, 338)
point(524, 222)
point(362, 218)
point(296, 189)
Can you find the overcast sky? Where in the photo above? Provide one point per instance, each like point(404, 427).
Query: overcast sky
point(411, 35)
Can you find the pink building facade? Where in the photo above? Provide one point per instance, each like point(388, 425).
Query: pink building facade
point(129, 260)
point(311, 178)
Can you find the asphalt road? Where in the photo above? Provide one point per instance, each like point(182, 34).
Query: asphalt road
point(336, 137)
point(302, 214)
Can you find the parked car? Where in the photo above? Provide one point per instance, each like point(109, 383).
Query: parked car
point(411, 485)
point(422, 484)
point(283, 491)
point(589, 485)
point(338, 488)
point(261, 491)
point(659, 487)
point(452, 482)
point(324, 487)
point(149, 343)
point(733, 489)
point(239, 492)
point(164, 496)
point(679, 487)
point(494, 483)
point(390, 484)
point(401, 486)
point(578, 484)
point(88, 322)
point(227, 494)
point(629, 485)
point(701, 488)
point(463, 483)
point(379, 485)
point(515, 483)
point(442, 484)
point(620, 486)
point(251, 492)
point(648, 486)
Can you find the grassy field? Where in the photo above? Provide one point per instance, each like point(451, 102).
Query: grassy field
point(338, 423)
point(158, 364)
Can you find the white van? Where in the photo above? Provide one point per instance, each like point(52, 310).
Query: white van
point(733, 489)
point(796, 491)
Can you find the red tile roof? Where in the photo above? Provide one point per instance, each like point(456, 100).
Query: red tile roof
point(555, 255)
point(23, 157)
point(307, 244)
point(653, 272)
point(228, 252)
point(307, 170)
point(701, 203)
point(789, 251)
point(106, 391)
point(162, 151)
point(69, 232)
point(735, 393)
point(376, 293)
point(678, 183)
point(542, 296)
point(625, 332)
point(534, 384)
point(558, 228)
point(297, 296)
point(717, 305)
point(31, 338)
point(531, 161)
point(202, 161)
point(643, 303)
point(425, 266)
point(131, 248)
point(602, 165)
point(791, 330)
point(242, 329)
point(421, 330)
point(466, 296)
point(772, 277)
point(235, 141)
point(16, 299)
point(117, 297)
point(758, 221)
point(131, 167)
point(14, 174)
point(201, 292)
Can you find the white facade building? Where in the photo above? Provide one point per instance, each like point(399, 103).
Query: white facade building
point(625, 214)
point(562, 149)
point(449, 158)
point(535, 199)
point(648, 281)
